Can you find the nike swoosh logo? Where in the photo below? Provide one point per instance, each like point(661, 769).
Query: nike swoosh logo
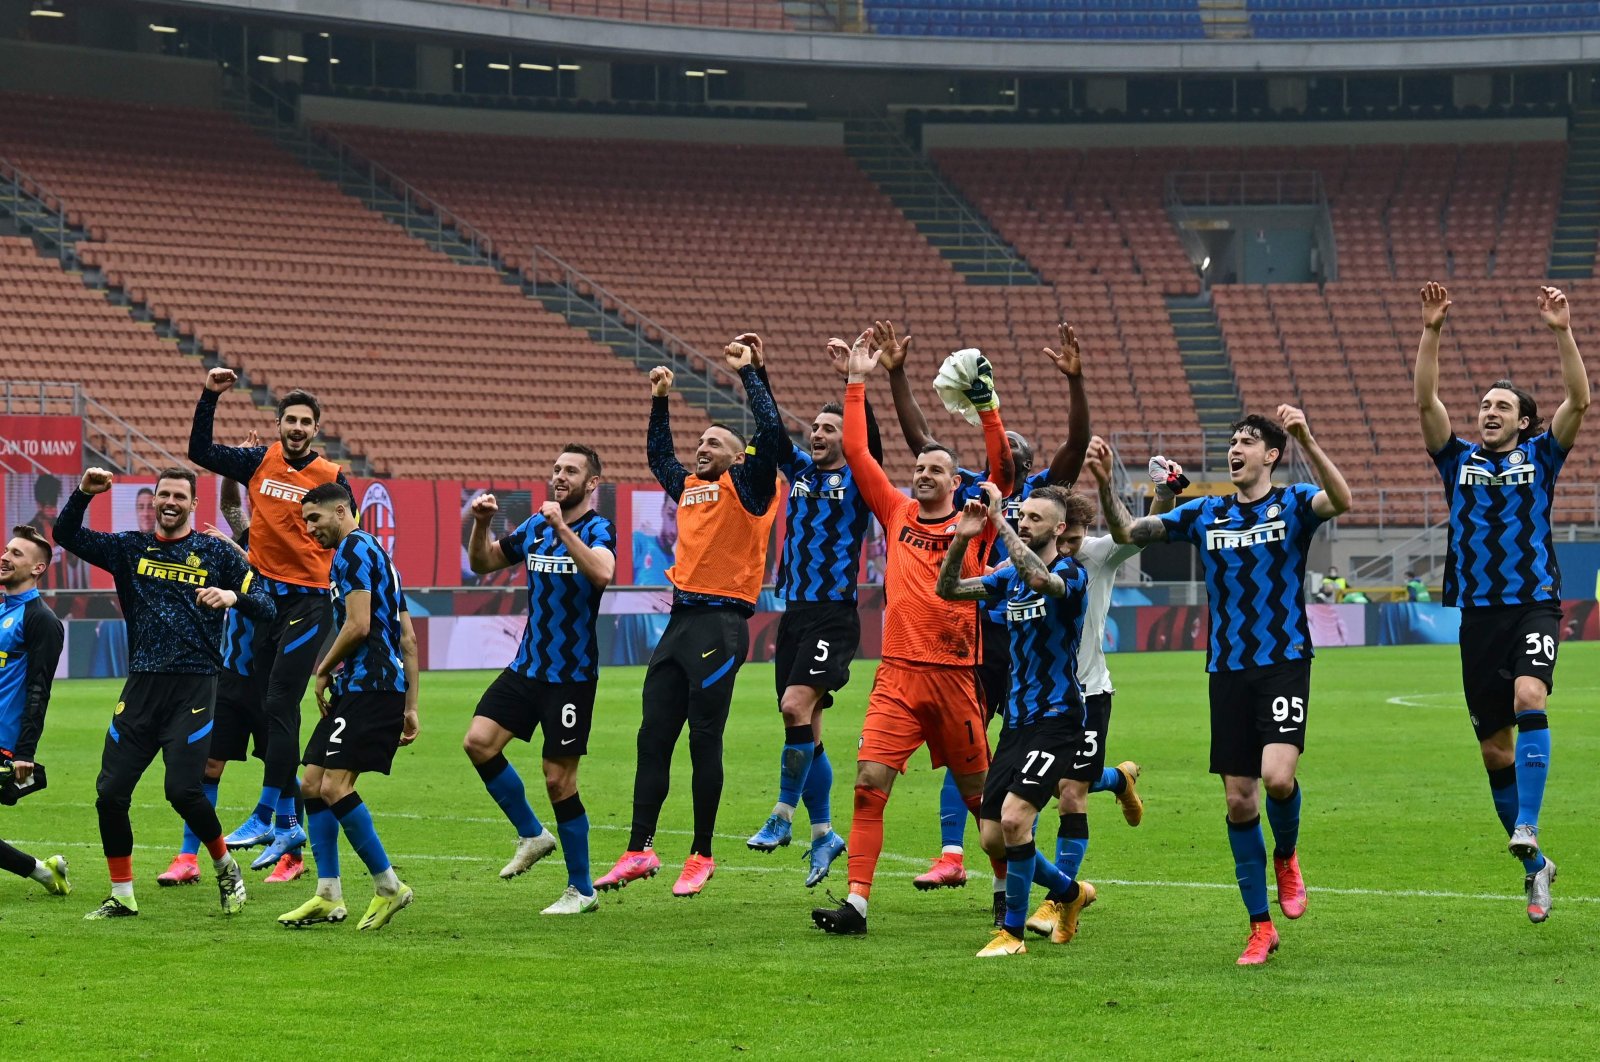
point(1030, 781)
point(152, 549)
point(707, 653)
point(1287, 729)
point(569, 741)
point(293, 622)
point(821, 671)
point(1221, 519)
point(197, 711)
point(1080, 766)
point(971, 758)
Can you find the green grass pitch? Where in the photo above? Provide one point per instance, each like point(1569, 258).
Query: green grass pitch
point(1415, 944)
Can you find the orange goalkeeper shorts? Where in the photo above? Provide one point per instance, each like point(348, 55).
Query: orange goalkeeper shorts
point(941, 707)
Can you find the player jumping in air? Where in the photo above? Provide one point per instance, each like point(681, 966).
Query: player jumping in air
point(566, 548)
point(368, 706)
point(31, 637)
point(173, 586)
point(1253, 550)
point(294, 570)
point(926, 691)
point(1502, 570)
point(1045, 738)
point(725, 514)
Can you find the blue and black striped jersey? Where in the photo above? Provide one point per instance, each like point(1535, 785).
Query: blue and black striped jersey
point(31, 637)
point(1254, 558)
point(825, 525)
point(1500, 545)
point(558, 644)
point(1045, 635)
point(238, 644)
point(360, 564)
point(157, 580)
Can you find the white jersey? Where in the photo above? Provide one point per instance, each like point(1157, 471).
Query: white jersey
point(1101, 557)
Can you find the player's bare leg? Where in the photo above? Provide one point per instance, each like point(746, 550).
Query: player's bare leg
point(485, 744)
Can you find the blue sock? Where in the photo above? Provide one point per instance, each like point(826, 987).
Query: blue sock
point(267, 805)
point(795, 764)
point(1533, 765)
point(285, 818)
point(572, 824)
point(1047, 874)
point(356, 821)
point(1072, 843)
point(191, 843)
point(1503, 788)
point(1284, 816)
point(1019, 883)
point(1110, 781)
point(324, 830)
point(1250, 864)
point(819, 787)
point(952, 814)
point(505, 785)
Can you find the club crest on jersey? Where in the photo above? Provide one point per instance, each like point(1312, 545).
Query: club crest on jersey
point(377, 515)
point(1516, 458)
point(1273, 510)
point(1259, 535)
point(1029, 608)
point(552, 564)
point(274, 488)
point(701, 494)
point(806, 487)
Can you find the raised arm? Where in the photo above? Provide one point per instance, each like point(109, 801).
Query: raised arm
point(43, 634)
point(1569, 414)
point(839, 355)
point(1334, 497)
point(893, 351)
point(1027, 563)
point(756, 479)
point(1425, 380)
point(485, 555)
point(1067, 463)
point(950, 585)
point(873, 482)
point(595, 563)
point(664, 463)
point(1123, 527)
point(235, 462)
point(97, 547)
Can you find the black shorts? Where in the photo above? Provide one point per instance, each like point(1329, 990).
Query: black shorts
point(1033, 760)
point(161, 709)
point(241, 718)
point(565, 711)
point(994, 674)
point(817, 640)
point(1098, 709)
point(1256, 707)
point(360, 733)
point(1499, 646)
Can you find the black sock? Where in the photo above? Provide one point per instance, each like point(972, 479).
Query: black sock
point(568, 809)
point(17, 861)
point(490, 768)
point(797, 735)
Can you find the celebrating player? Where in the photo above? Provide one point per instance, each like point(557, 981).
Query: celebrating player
point(293, 568)
point(31, 637)
point(948, 869)
point(925, 690)
point(1253, 550)
point(825, 525)
point(173, 586)
point(1045, 739)
point(368, 706)
point(1502, 571)
point(725, 515)
point(567, 549)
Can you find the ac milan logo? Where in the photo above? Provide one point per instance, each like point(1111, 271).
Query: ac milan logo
point(377, 515)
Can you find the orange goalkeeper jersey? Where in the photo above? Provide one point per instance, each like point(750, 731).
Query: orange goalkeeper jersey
point(919, 626)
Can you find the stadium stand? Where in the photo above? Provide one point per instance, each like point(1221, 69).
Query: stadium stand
point(1477, 217)
point(429, 367)
point(731, 14)
point(1299, 19)
point(1128, 20)
point(798, 244)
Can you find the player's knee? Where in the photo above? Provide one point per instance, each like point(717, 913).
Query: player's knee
point(476, 748)
point(105, 801)
point(560, 780)
point(1530, 697)
point(1016, 823)
point(797, 705)
point(181, 795)
point(1242, 805)
point(992, 835)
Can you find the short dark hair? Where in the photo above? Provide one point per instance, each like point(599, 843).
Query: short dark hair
point(46, 490)
point(1027, 450)
point(177, 473)
point(1526, 407)
point(298, 397)
point(1076, 510)
point(330, 493)
point(32, 534)
point(832, 407)
point(939, 447)
point(1269, 430)
point(142, 492)
point(588, 455)
point(744, 444)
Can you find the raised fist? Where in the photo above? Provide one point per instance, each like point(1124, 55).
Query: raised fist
point(95, 481)
point(660, 381)
point(219, 379)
